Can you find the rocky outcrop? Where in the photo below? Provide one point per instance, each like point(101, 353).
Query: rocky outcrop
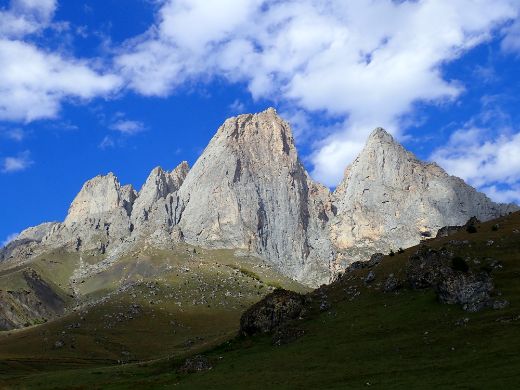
point(272, 312)
point(249, 190)
point(158, 186)
point(389, 199)
point(452, 279)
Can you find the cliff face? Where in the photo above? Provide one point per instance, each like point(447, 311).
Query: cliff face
point(389, 199)
point(249, 191)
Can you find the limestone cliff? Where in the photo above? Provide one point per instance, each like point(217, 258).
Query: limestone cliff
point(389, 199)
point(249, 190)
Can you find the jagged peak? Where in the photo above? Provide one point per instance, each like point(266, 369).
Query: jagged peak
point(182, 168)
point(379, 134)
point(101, 194)
point(252, 130)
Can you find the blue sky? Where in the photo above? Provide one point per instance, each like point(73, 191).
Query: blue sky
point(88, 87)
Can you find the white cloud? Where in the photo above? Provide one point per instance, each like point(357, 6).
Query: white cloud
point(26, 17)
point(489, 163)
point(35, 82)
point(128, 127)
point(365, 63)
point(18, 163)
point(10, 238)
point(511, 41)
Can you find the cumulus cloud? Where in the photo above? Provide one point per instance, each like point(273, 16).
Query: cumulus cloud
point(26, 17)
point(17, 163)
point(34, 82)
point(363, 63)
point(489, 163)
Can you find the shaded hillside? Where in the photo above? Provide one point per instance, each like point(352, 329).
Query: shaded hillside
point(357, 335)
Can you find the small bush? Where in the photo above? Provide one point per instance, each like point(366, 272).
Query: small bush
point(400, 250)
point(459, 264)
point(471, 229)
point(495, 227)
point(391, 253)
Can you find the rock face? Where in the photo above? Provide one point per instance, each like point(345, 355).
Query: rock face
point(249, 191)
point(389, 199)
point(272, 312)
point(452, 282)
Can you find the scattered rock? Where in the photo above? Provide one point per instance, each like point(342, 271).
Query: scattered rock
point(391, 284)
point(370, 277)
point(196, 364)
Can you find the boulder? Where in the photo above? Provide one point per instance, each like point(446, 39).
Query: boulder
point(470, 290)
point(275, 310)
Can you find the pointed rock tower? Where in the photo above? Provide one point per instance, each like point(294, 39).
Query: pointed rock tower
point(249, 190)
point(389, 199)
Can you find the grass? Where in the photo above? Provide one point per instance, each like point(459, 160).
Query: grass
point(391, 341)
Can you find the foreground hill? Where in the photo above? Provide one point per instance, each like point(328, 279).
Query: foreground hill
point(355, 335)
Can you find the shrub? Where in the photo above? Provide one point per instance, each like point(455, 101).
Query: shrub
point(391, 253)
point(459, 264)
point(495, 227)
point(401, 250)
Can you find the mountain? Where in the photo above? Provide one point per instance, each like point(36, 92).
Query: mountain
point(249, 192)
point(388, 199)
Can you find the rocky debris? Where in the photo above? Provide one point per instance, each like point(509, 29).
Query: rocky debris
point(451, 278)
point(196, 363)
point(470, 290)
point(275, 310)
point(425, 266)
point(375, 259)
point(370, 277)
point(391, 284)
point(447, 231)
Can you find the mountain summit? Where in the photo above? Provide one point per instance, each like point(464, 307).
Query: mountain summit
point(249, 192)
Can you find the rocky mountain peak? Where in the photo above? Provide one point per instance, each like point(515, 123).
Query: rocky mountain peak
point(265, 129)
point(100, 195)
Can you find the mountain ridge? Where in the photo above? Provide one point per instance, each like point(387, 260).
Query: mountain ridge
point(248, 191)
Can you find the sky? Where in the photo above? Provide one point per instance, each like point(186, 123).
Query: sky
point(89, 87)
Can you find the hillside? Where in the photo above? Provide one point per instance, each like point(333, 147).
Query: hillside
point(361, 337)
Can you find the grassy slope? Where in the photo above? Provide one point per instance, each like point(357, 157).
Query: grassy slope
point(186, 302)
point(377, 339)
